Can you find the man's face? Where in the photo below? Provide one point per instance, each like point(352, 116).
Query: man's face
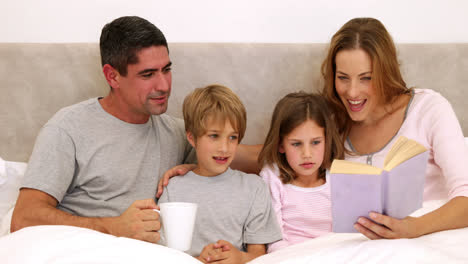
point(146, 88)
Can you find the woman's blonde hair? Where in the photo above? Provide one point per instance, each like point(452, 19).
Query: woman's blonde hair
point(213, 101)
point(290, 112)
point(370, 35)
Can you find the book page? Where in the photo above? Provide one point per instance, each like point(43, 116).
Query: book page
point(395, 148)
point(349, 167)
point(401, 151)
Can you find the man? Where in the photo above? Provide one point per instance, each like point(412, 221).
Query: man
point(96, 164)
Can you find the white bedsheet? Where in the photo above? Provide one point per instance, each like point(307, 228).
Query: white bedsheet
point(442, 247)
point(67, 245)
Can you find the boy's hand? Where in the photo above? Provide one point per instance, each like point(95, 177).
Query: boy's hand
point(178, 170)
point(224, 246)
point(225, 253)
point(209, 251)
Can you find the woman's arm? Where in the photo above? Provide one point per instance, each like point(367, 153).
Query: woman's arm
point(452, 215)
point(246, 159)
point(438, 124)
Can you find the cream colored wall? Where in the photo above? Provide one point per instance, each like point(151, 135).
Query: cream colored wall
point(39, 79)
point(272, 21)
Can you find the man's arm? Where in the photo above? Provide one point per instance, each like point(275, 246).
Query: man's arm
point(35, 207)
point(245, 160)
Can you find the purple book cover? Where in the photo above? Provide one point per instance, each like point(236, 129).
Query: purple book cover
point(397, 193)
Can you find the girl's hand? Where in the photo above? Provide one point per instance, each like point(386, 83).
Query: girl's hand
point(178, 170)
point(390, 228)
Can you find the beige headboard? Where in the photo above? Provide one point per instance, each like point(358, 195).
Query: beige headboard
point(39, 79)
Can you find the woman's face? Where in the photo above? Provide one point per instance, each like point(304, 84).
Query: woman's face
point(353, 82)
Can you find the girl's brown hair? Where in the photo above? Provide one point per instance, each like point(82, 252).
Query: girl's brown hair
point(370, 35)
point(290, 112)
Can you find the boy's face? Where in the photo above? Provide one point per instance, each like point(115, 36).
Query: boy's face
point(216, 148)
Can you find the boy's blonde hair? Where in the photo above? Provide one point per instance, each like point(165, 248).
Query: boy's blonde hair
point(213, 101)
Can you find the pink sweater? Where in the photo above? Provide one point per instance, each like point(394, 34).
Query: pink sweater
point(431, 121)
point(302, 213)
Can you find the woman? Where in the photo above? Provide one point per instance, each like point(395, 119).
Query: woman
point(373, 107)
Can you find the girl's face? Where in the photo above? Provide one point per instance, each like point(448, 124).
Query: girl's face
point(304, 148)
point(353, 82)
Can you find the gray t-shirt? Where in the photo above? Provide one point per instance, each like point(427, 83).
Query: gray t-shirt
point(97, 165)
point(232, 206)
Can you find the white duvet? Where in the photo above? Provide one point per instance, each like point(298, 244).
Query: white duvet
point(445, 247)
point(66, 244)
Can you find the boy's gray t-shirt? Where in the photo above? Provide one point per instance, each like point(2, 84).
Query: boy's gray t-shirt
point(233, 206)
point(97, 165)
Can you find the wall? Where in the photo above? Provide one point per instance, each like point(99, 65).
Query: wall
point(233, 21)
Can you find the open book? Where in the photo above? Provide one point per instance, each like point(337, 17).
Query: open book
point(395, 190)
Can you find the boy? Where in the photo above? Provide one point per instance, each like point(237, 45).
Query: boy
point(232, 206)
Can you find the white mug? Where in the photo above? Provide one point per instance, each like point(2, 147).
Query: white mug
point(178, 221)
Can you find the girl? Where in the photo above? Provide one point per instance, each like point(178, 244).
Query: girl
point(299, 148)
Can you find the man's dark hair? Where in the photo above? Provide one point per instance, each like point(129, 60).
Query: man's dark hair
point(122, 38)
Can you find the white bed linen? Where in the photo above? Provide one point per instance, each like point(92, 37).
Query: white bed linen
point(67, 244)
point(441, 247)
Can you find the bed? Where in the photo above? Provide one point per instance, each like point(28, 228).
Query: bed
point(39, 79)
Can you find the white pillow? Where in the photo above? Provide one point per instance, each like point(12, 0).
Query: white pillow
point(3, 176)
point(11, 174)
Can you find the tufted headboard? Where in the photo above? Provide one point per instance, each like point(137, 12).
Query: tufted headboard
point(39, 79)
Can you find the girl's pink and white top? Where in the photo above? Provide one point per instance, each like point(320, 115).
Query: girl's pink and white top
point(302, 213)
